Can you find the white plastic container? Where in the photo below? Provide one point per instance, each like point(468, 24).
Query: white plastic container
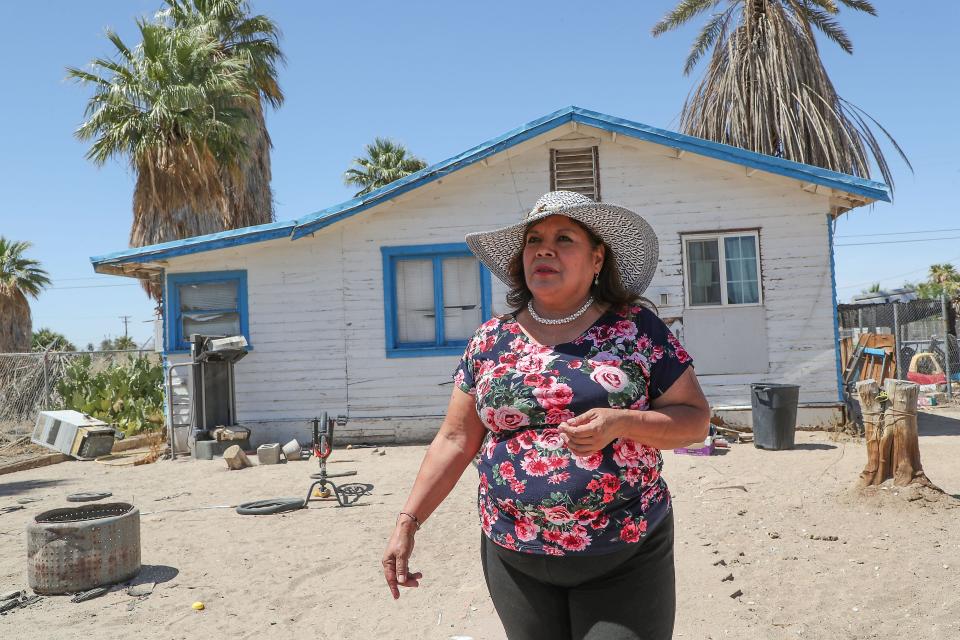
point(269, 453)
point(291, 450)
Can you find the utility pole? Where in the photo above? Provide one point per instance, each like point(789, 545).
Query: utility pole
point(126, 321)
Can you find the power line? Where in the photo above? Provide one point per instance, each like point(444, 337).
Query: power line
point(92, 286)
point(895, 233)
point(861, 244)
point(896, 275)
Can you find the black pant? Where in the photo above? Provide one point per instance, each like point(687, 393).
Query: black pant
point(625, 595)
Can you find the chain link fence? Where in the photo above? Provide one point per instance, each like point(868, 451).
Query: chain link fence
point(922, 335)
point(28, 383)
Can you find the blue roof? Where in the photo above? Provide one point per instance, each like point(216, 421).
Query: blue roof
point(313, 222)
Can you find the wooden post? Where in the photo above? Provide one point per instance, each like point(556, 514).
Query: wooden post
point(236, 458)
point(893, 446)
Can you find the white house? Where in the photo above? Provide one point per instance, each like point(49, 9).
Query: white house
point(364, 308)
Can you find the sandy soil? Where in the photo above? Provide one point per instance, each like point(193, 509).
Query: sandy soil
point(893, 572)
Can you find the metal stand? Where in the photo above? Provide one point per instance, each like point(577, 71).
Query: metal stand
point(322, 445)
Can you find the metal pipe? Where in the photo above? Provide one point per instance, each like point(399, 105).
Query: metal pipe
point(946, 343)
point(896, 342)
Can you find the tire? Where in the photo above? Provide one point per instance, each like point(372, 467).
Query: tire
point(269, 506)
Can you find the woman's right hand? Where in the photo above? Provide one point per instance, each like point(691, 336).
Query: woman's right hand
point(396, 569)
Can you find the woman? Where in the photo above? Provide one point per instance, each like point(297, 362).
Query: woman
point(576, 392)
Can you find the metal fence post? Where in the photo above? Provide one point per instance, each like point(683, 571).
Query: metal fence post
point(946, 344)
point(46, 383)
point(896, 342)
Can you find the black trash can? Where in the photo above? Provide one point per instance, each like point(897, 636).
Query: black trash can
point(774, 409)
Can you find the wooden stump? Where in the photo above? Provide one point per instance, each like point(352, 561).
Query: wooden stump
point(890, 424)
point(236, 458)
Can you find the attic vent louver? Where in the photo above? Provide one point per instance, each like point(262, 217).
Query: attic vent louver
point(575, 170)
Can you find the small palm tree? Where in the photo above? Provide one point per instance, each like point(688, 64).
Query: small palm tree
point(766, 89)
point(385, 162)
point(177, 112)
point(255, 40)
point(47, 339)
point(19, 277)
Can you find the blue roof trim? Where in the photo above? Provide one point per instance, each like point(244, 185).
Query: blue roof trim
point(728, 153)
point(196, 244)
point(326, 217)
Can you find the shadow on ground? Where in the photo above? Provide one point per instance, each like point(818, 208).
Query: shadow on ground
point(814, 446)
point(13, 488)
point(933, 424)
point(157, 573)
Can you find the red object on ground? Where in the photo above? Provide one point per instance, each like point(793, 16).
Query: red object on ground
point(926, 378)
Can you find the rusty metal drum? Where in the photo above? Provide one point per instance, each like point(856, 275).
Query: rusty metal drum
point(78, 548)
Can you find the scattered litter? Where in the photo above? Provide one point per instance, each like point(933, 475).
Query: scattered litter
point(171, 497)
point(88, 496)
point(773, 534)
point(198, 606)
point(90, 594)
point(730, 486)
point(16, 603)
point(383, 453)
point(141, 590)
point(27, 500)
point(728, 578)
point(827, 538)
point(11, 508)
point(9, 595)
point(742, 512)
point(721, 563)
point(736, 594)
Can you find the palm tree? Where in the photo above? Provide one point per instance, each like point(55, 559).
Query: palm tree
point(385, 162)
point(942, 280)
point(253, 39)
point(766, 89)
point(44, 339)
point(177, 112)
point(19, 277)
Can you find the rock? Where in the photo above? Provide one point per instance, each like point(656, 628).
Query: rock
point(742, 512)
point(736, 594)
point(729, 578)
point(383, 453)
point(721, 562)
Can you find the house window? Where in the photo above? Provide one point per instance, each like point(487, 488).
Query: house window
point(435, 297)
point(212, 304)
point(576, 170)
point(722, 269)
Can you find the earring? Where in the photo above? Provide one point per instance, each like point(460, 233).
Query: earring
point(596, 279)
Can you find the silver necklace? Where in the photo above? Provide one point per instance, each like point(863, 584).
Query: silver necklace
point(570, 318)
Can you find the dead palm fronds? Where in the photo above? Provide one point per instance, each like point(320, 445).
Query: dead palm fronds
point(253, 39)
point(765, 88)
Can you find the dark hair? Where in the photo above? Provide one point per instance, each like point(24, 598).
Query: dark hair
point(609, 290)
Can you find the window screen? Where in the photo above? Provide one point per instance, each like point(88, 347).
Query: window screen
point(461, 297)
point(210, 308)
point(415, 307)
point(704, 263)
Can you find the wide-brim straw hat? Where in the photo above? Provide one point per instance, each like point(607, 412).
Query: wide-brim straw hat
point(626, 234)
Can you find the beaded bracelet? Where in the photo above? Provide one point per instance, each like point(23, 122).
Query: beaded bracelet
point(413, 517)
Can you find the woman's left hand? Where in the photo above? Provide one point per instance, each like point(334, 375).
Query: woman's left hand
point(592, 430)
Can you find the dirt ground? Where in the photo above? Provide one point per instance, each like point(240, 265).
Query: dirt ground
point(760, 516)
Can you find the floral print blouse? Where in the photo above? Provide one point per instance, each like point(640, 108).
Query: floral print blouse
point(535, 495)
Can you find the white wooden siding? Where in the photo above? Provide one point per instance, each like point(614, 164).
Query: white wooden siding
point(316, 304)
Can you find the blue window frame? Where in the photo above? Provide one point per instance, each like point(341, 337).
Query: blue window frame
point(213, 302)
point(435, 296)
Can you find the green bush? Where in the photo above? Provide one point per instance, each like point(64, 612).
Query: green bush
point(127, 395)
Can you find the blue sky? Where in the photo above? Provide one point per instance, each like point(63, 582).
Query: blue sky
point(441, 77)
